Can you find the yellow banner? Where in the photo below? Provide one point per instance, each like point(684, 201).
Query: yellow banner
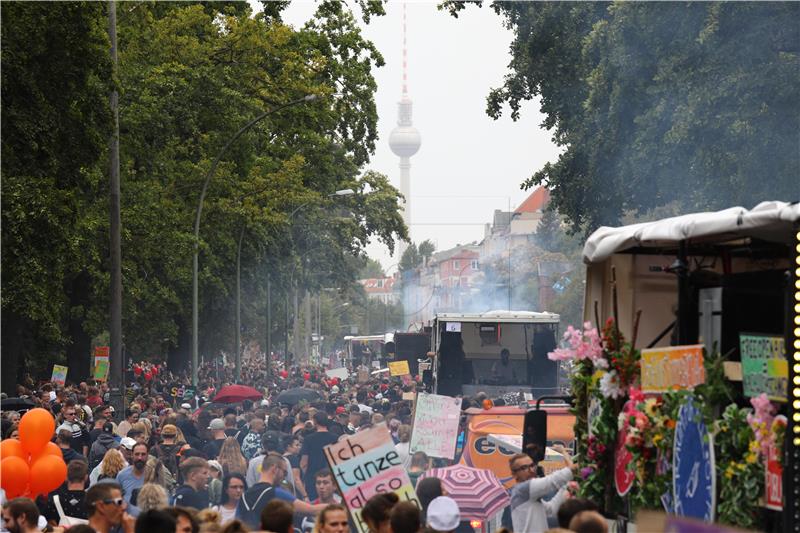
point(399, 368)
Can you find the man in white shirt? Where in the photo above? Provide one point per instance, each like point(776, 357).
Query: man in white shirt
point(529, 511)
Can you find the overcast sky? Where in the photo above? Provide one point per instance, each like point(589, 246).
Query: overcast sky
point(468, 164)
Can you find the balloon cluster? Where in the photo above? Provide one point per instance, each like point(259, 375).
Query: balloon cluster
point(32, 465)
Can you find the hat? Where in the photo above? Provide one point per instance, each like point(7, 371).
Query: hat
point(127, 443)
point(215, 464)
point(108, 427)
point(265, 402)
point(216, 424)
point(379, 396)
point(169, 430)
point(186, 406)
point(335, 389)
point(341, 410)
point(443, 514)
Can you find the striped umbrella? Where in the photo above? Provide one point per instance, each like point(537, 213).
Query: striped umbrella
point(477, 491)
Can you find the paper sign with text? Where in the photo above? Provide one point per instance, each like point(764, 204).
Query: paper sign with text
point(673, 368)
point(764, 366)
point(340, 373)
point(773, 482)
point(366, 464)
point(435, 426)
point(59, 374)
point(399, 368)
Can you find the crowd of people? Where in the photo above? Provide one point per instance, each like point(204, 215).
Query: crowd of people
point(175, 461)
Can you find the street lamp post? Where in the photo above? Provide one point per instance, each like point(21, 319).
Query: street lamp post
point(339, 193)
point(195, 259)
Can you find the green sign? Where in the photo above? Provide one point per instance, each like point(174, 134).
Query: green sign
point(764, 366)
point(101, 370)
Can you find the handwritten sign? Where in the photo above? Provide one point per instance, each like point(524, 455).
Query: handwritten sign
point(435, 425)
point(366, 464)
point(673, 368)
point(340, 373)
point(764, 366)
point(59, 374)
point(101, 370)
point(399, 368)
point(693, 473)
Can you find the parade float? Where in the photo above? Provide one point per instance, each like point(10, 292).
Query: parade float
point(686, 397)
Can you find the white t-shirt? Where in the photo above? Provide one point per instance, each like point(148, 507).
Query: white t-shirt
point(226, 515)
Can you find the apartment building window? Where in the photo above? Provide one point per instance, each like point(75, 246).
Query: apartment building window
point(474, 264)
point(380, 283)
point(456, 265)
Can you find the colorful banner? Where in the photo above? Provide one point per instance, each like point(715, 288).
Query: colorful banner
point(59, 374)
point(764, 366)
point(399, 368)
point(435, 425)
point(673, 368)
point(366, 464)
point(101, 370)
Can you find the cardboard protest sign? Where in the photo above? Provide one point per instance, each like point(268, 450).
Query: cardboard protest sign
point(341, 373)
point(435, 426)
point(59, 374)
point(101, 370)
point(366, 464)
point(673, 368)
point(399, 368)
point(764, 366)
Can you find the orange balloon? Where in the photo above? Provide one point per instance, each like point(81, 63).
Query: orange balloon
point(14, 476)
point(51, 448)
point(12, 448)
point(36, 428)
point(48, 472)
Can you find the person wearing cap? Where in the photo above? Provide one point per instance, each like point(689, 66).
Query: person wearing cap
point(105, 441)
point(167, 450)
point(444, 516)
point(529, 511)
point(217, 429)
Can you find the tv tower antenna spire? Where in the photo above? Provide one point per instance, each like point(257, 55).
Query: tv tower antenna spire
point(405, 140)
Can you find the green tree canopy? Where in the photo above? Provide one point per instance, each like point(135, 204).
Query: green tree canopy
point(655, 102)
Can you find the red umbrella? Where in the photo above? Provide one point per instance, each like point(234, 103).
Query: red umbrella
point(237, 393)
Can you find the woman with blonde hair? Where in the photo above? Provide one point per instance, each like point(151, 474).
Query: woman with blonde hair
point(152, 496)
point(109, 467)
point(231, 458)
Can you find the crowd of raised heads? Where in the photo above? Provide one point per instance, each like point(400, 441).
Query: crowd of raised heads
point(176, 461)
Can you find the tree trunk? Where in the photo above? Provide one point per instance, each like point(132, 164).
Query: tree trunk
point(78, 350)
point(14, 328)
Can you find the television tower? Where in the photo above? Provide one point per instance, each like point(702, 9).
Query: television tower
point(405, 141)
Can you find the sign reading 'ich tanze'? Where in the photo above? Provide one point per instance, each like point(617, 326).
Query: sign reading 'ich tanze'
point(366, 464)
point(673, 368)
point(435, 428)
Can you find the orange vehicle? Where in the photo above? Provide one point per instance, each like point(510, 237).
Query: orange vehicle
point(481, 452)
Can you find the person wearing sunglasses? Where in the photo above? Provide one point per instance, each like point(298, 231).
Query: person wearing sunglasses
point(529, 511)
point(107, 508)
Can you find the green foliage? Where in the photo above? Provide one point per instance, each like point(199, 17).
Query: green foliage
point(190, 76)
point(371, 269)
point(410, 259)
point(657, 102)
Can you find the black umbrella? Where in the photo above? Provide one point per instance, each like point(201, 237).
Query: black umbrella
point(297, 395)
point(22, 405)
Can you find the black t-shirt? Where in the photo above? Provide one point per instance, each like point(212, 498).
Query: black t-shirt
point(186, 496)
point(212, 448)
point(312, 447)
point(252, 503)
point(71, 502)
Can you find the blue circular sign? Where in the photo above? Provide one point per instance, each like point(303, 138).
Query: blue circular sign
point(693, 471)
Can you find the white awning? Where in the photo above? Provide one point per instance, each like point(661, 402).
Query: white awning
point(768, 221)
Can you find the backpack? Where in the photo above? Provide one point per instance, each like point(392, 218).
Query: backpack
point(249, 512)
point(168, 454)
